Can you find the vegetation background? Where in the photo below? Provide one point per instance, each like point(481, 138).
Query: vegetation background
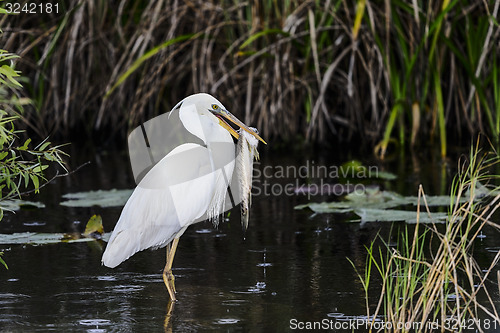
point(407, 72)
point(411, 72)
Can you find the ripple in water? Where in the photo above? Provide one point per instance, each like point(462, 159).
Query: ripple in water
point(34, 224)
point(94, 322)
point(226, 321)
point(234, 302)
point(493, 249)
point(264, 264)
point(106, 278)
point(257, 289)
point(127, 288)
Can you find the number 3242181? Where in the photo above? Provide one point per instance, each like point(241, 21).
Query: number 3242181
point(31, 8)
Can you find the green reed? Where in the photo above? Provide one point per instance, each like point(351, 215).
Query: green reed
point(431, 277)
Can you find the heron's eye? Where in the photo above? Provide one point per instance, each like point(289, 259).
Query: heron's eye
point(215, 106)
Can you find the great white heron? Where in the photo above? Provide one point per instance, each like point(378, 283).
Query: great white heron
point(187, 185)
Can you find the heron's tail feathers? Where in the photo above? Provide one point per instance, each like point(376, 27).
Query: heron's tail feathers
point(119, 249)
point(125, 243)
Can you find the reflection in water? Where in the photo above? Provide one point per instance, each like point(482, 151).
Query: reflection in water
point(167, 324)
point(292, 264)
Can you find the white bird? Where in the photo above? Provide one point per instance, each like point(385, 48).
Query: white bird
point(188, 184)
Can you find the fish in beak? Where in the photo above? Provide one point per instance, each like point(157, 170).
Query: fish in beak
point(248, 139)
point(246, 153)
point(224, 115)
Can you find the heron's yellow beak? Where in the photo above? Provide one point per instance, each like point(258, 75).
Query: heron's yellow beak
point(224, 114)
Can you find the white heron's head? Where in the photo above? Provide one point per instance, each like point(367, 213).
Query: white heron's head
point(206, 103)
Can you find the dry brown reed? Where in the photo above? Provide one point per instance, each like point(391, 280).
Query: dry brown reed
point(316, 70)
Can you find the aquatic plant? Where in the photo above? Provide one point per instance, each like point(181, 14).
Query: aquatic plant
point(21, 166)
point(431, 276)
point(302, 70)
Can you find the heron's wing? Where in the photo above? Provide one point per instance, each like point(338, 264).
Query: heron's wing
point(176, 192)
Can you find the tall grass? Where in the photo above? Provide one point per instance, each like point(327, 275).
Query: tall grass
point(431, 277)
point(313, 69)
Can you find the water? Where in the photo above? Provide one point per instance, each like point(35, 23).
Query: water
point(289, 267)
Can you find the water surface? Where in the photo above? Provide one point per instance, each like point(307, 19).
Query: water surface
point(290, 265)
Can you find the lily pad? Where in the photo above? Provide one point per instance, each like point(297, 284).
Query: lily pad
point(372, 204)
point(93, 231)
point(327, 207)
point(390, 215)
point(385, 175)
point(35, 238)
point(373, 198)
point(111, 198)
point(483, 191)
point(16, 204)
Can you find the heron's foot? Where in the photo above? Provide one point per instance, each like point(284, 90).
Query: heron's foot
point(169, 280)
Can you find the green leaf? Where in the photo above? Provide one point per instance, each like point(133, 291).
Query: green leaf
point(94, 225)
point(45, 145)
point(259, 34)
point(36, 183)
point(5, 55)
point(25, 145)
point(2, 261)
point(10, 73)
point(40, 168)
point(360, 10)
point(48, 156)
point(26, 179)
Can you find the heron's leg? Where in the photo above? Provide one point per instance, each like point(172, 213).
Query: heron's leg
point(168, 277)
point(173, 248)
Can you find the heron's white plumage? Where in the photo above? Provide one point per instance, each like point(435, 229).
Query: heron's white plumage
point(188, 185)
